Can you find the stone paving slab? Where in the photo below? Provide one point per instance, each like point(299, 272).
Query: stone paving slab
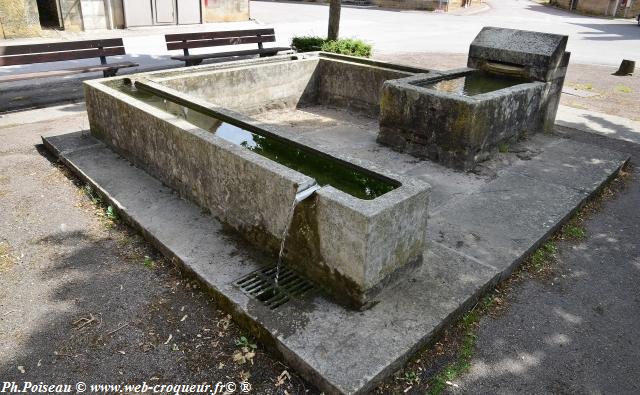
point(599, 123)
point(340, 350)
point(505, 219)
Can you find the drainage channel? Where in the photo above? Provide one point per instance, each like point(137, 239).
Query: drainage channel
point(261, 285)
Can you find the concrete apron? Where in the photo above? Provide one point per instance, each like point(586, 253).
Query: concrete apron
point(474, 242)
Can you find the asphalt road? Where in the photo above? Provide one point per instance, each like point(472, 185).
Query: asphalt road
point(576, 332)
point(592, 40)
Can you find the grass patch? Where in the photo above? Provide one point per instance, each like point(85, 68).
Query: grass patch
point(623, 89)
point(112, 213)
point(148, 262)
point(344, 46)
point(6, 259)
point(467, 327)
point(574, 232)
point(503, 147)
point(108, 213)
point(585, 87)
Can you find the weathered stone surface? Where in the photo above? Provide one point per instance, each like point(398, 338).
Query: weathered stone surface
point(604, 124)
point(540, 54)
point(19, 18)
point(455, 130)
point(257, 87)
point(352, 85)
point(251, 88)
point(352, 247)
point(215, 173)
point(459, 130)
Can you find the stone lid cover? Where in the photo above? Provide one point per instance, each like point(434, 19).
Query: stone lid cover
point(540, 53)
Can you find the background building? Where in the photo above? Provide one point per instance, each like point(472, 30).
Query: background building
point(25, 18)
point(617, 8)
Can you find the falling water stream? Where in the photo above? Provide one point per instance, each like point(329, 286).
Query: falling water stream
point(284, 238)
point(300, 196)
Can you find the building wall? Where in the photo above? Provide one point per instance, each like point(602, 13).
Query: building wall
point(72, 15)
point(566, 4)
point(225, 10)
point(94, 15)
point(630, 12)
point(19, 18)
point(597, 7)
point(602, 7)
point(117, 10)
point(429, 5)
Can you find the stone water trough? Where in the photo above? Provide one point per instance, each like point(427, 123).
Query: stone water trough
point(319, 151)
point(510, 89)
point(356, 229)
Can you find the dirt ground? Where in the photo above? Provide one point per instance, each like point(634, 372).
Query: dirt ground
point(594, 88)
point(83, 298)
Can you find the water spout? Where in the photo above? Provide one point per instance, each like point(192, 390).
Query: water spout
point(300, 196)
point(305, 193)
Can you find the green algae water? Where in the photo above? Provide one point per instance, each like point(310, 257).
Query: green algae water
point(325, 170)
point(475, 84)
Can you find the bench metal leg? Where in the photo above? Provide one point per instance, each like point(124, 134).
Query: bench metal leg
point(110, 73)
point(192, 62)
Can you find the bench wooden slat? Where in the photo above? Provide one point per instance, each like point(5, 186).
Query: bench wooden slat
point(59, 56)
point(220, 34)
point(63, 72)
point(59, 46)
point(265, 51)
point(221, 41)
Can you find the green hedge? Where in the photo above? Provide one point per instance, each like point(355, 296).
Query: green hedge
point(307, 43)
point(345, 46)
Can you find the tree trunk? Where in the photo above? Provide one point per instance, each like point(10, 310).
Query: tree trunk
point(334, 19)
point(627, 67)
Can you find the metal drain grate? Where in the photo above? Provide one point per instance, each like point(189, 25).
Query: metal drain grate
point(261, 285)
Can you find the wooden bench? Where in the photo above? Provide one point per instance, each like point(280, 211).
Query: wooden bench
point(215, 39)
point(56, 52)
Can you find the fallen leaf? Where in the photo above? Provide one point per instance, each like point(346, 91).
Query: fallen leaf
point(284, 376)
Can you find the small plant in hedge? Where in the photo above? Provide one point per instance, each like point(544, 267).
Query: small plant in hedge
point(348, 47)
point(345, 46)
point(307, 43)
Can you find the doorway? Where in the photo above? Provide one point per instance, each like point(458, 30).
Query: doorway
point(50, 14)
point(162, 12)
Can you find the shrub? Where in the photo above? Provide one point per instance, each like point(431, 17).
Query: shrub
point(346, 46)
point(307, 43)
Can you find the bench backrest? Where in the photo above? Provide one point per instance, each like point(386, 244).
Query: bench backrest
point(213, 39)
point(54, 52)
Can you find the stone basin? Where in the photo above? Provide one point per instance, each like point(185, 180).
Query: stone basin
point(194, 131)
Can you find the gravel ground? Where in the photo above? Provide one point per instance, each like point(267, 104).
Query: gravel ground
point(85, 299)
